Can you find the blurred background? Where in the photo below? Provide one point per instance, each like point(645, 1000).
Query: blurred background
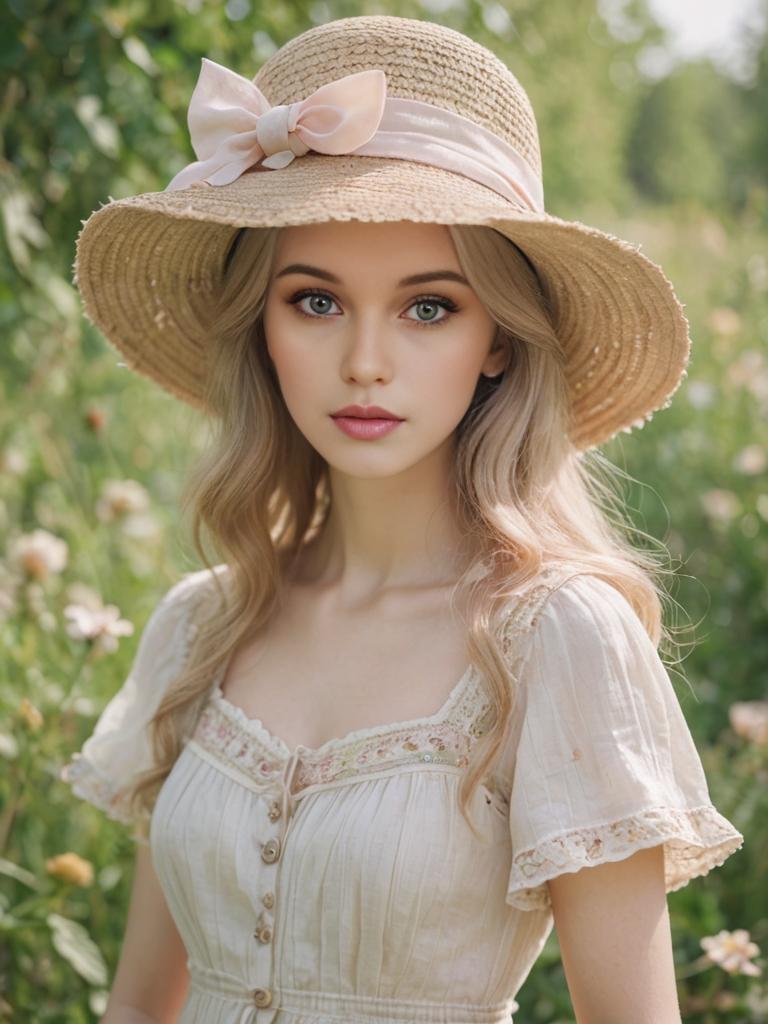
point(653, 117)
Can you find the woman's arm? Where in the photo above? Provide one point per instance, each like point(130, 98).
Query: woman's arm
point(151, 980)
point(612, 924)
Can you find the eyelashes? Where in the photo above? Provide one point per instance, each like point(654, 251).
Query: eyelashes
point(437, 300)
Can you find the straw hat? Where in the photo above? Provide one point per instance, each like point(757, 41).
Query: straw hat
point(375, 118)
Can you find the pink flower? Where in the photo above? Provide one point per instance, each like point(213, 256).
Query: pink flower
point(40, 554)
point(732, 951)
point(102, 625)
point(749, 718)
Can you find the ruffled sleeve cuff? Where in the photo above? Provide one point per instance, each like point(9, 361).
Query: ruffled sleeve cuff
point(89, 784)
point(694, 840)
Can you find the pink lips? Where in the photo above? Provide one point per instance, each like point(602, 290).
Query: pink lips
point(365, 429)
point(366, 412)
point(365, 422)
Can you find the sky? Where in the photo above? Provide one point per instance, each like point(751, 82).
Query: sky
point(720, 29)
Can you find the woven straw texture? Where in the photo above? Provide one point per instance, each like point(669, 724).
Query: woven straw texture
point(149, 267)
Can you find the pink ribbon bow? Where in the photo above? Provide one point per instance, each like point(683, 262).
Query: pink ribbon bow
point(233, 126)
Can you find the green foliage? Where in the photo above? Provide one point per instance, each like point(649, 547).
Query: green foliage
point(691, 138)
point(94, 100)
point(74, 943)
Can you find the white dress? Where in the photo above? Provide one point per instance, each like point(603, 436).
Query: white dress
point(342, 883)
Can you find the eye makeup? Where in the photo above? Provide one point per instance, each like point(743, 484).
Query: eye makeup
point(439, 300)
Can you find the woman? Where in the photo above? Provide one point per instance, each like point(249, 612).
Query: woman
point(405, 360)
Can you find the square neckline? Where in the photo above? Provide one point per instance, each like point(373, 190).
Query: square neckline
point(256, 726)
point(276, 744)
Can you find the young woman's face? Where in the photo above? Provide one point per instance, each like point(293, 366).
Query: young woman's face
point(345, 327)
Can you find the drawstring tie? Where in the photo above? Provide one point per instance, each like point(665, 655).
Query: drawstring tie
point(288, 800)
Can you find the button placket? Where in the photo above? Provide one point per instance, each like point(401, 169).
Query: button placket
point(263, 930)
point(274, 811)
point(280, 809)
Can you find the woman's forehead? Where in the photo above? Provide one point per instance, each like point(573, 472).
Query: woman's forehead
point(343, 247)
point(350, 234)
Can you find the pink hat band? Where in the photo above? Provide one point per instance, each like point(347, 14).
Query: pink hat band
point(233, 128)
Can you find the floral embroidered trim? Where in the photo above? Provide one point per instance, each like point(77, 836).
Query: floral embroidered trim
point(523, 614)
point(226, 733)
point(695, 840)
point(444, 745)
point(219, 732)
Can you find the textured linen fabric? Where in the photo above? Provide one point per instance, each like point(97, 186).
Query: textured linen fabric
point(342, 883)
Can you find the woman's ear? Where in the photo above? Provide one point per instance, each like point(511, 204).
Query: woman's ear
point(495, 361)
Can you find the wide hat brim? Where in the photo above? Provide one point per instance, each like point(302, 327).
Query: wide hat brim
point(148, 268)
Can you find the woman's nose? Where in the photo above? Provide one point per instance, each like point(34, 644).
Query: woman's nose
point(367, 355)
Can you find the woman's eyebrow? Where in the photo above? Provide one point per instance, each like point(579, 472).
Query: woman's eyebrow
point(430, 275)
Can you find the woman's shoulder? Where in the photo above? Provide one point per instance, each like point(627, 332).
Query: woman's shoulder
point(177, 608)
point(589, 610)
point(580, 594)
point(586, 622)
point(193, 586)
point(570, 605)
point(558, 589)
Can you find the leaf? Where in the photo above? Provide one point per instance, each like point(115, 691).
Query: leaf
point(136, 51)
point(21, 227)
point(102, 129)
point(110, 876)
point(62, 296)
point(97, 1001)
point(7, 867)
point(74, 943)
point(9, 748)
point(8, 922)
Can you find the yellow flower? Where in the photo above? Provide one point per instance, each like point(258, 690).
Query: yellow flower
point(33, 718)
point(70, 868)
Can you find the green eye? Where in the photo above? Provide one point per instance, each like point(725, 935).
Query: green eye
point(432, 302)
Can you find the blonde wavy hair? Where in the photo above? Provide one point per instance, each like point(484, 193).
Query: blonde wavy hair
point(526, 496)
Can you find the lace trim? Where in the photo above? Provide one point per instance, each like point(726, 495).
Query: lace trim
point(444, 745)
point(695, 840)
point(235, 742)
point(524, 614)
point(219, 732)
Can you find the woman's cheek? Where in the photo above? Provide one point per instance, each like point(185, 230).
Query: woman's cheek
point(459, 386)
point(293, 362)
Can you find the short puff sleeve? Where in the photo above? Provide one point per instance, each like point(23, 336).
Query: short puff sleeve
point(605, 763)
point(120, 748)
